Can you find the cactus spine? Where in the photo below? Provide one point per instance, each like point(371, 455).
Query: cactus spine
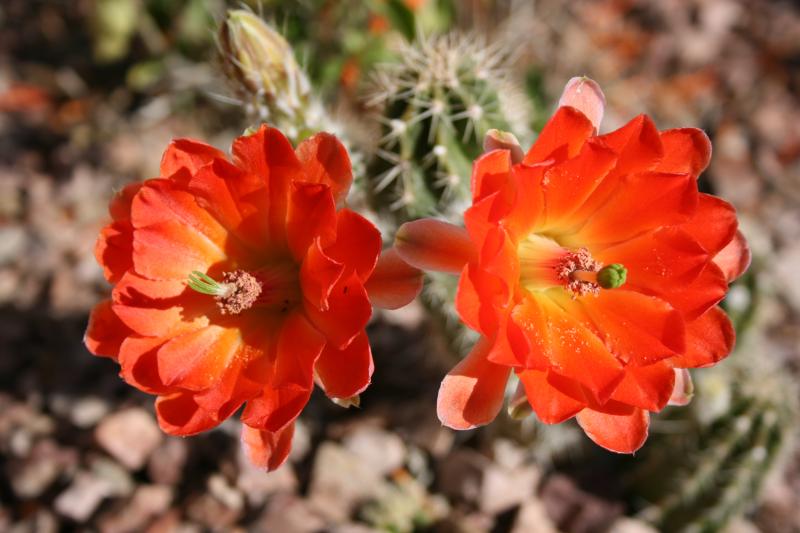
point(437, 103)
point(723, 468)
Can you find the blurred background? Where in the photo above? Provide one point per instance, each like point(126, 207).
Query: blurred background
point(91, 92)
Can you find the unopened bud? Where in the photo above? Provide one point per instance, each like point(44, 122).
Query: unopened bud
point(260, 61)
point(612, 276)
point(503, 140)
point(683, 390)
point(585, 95)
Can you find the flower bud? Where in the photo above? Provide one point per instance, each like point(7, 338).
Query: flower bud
point(503, 140)
point(683, 389)
point(262, 64)
point(585, 95)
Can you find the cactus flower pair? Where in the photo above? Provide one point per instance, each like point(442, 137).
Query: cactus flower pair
point(243, 283)
point(592, 268)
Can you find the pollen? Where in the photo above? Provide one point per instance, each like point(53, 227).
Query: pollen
point(242, 290)
point(578, 272)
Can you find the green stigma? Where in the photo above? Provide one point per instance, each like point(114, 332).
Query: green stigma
point(612, 276)
point(204, 284)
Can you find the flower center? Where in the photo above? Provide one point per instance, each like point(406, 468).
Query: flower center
point(545, 264)
point(241, 290)
point(275, 288)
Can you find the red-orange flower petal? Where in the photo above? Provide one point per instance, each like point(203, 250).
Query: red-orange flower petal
point(290, 384)
point(685, 150)
point(638, 329)
point(566, 131)
point(553, 398)
point(431, 244)
point(196, 359)
point(648, 387)
point(312, 215)
point(266, 449)
point(709, 339)
point(187, 154)
point(617, 427)
point(269, 155)
point(642, 202)
point(571, 347)
point(325, 161)
point(105, 332)
point(170, 250)
point(138, 360)
point(318, 275)
point(471, 395)
point(358, 242)
point(348, 312)
point(489, 173)
point(347, 372)
point(394, 283)
point(113, 250)
point(734, 259)
point(714, 224)
point(178, 414)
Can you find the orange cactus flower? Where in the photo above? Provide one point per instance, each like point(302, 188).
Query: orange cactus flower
point(592, 267)
point(242, 283)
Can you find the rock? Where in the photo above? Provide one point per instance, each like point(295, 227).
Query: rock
point(471, 477)
point(210, 512)
point(631, 525)
point(219, 487)
point(340, 481)
point(286, 512)
point(354, 528)
point(380, 450)
point(81, 499)
point(118, 479)
point(461, 475)
point(147, 502)
point(301, 442)
point(532, 516)
point(166, 523)
point(46, 463)
point(42, 521)
point(504, 488)
point(130, 436)
point(88, 411)
point(424, 429)
point(569, 507)
point(167, 462)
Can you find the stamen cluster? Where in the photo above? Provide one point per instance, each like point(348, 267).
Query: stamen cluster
point(572, 269)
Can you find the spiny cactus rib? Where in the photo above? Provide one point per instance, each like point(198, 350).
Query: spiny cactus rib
point(437, 101)
point(724, 469)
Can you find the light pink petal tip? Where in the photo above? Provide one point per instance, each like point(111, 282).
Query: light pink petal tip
point(585, 95)
point(684, 388)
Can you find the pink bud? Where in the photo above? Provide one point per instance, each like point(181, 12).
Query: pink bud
point(503, 140)
point(683, 390)
point(585, 95)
